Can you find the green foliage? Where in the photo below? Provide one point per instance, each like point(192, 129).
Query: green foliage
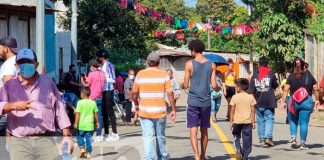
point(316, 24)
point(282, 40)
point(216, 9)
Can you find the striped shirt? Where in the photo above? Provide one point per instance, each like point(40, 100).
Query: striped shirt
point(152, 84)
point(109, 69)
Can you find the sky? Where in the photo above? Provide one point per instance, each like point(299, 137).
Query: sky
point(192, 3)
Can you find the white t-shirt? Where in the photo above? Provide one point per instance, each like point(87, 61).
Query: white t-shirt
point(8, 68)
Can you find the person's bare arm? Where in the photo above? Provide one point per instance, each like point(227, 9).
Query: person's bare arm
point(6, 78)
point(135, 99)
point(76, 121)
point(232, 115)
point(316, 94)
point(172, 105)
point(213, 78)
point(285, 94)
point(253, 116)
point(74, 83)
point(17, 106)
point(97, 119)
point(188, 69)
point(84, 82)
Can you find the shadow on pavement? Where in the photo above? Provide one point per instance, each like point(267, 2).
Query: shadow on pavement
point(311, 146)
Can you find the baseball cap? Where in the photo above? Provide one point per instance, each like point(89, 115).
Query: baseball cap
point(102, 53)
point(9, 42)
point(153, 57)
point(26, 53)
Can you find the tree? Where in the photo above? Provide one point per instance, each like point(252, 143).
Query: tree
point(280, 30)
point(216, 9)
point(124, 32)
point(282, 40)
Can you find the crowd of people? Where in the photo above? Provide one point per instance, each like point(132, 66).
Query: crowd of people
point(34, 108)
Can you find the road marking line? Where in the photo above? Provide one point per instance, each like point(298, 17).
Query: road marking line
point(227, 144)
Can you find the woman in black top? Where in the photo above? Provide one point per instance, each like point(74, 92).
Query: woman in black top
point(299, 112)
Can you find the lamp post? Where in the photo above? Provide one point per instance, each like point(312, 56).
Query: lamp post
point(208, 33)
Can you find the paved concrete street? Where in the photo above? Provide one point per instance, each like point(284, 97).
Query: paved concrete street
point(130, 147)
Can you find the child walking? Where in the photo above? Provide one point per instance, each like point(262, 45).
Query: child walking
point(86, 116)
point(242, 118)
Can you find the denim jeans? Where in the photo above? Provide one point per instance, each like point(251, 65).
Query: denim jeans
point(154, 130)
point(302, 114)
point(99, 105)
point(85, 135)
point(265, 120)
point(215, 104)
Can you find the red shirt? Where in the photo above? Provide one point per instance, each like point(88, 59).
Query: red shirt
point(322, 82)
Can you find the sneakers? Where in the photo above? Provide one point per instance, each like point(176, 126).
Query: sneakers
point(269, 142)
point(88, 155)
point(294, 144)
point(262, 142)
point(112, 137)
point(98, 139)
point(303, 146)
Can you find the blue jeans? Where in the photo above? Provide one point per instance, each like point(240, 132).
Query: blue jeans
point(215, 104)
point(99, 105)
point(85, 135)
point(154, 130)
point(265, 120)
point(302, 114)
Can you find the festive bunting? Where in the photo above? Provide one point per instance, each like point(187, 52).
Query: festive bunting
point(181, 23)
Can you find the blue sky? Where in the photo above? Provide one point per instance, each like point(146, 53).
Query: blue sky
point(192, 3)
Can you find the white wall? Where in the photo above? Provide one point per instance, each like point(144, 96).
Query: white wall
point(63, 41)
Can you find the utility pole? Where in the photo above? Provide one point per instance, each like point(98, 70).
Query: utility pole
point(40, 35)
point(74, 36)
point(250, 45)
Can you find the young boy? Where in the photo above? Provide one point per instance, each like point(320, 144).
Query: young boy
point(242, 118)
point(86, 115)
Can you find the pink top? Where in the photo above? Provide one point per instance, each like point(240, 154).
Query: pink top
point(47, 102)
point(96, 80)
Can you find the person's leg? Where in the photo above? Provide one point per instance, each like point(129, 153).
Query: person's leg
point(105, 100)
point(46, 149)
point(148, 138)
point(111, 113)
point(128, 111)
point(193, 122)
point(161, 148)
point(21, 148)
point(204, 142)
point(269, 121)
point(213, 109)
point(194, 141)
point(204, 125)
point(99, 105)
point(80, 139)
point(293, 124)
point(247, 140)
point(218, 102)
point(88, 141)
point(304, 115)
point(261, 124)
point(237, 130)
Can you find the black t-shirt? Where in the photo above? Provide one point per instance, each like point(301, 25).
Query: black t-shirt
point(69, 88)
point(295, 83)
point(263, 90)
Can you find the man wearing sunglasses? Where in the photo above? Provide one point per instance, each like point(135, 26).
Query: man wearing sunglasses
point(34, 109)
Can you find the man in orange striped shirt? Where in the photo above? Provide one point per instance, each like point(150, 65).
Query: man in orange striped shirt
point(150, 86)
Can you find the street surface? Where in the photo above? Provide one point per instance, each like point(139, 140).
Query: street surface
point(220, 147)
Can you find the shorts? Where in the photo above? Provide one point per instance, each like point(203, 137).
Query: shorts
point(198, 116)
point(230, 92)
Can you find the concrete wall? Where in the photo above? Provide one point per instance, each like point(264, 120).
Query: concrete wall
point(314, 55)
point(63, 51)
